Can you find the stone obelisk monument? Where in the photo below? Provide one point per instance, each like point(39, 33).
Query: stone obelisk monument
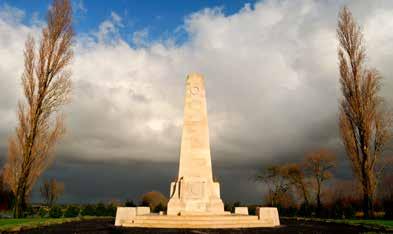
point(194, 197)
point(194, 191)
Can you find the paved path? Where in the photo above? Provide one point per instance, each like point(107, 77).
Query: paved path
point(288, 226)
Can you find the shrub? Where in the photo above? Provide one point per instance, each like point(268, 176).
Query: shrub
point(111, 210)
point(6, 198)
point(129, 203)
point(159, 207)
point(290, 211)
point(228, 206)
point(252, 209)
point(100, 210)
point(305, 210)
point(29, 211)
point(55, 212)
point(337, 210)
point(235, 204)
point(388, 207)
point(154, 199)
point(43, 212)
point(72, 211)
point(349, 212)
point(343, 207)
point(88, 210)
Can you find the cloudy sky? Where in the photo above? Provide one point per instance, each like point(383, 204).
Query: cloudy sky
point(271, 77)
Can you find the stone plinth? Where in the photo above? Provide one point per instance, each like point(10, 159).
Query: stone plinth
point(268, 215)
point(195, 192)
point(142, 210)
point(241, 210)
point(128, 214)
point(124, 214)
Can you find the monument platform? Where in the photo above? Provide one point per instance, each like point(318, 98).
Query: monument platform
point(196, 221)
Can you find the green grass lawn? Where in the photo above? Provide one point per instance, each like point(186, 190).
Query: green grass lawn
point(26, 223)
point(377, 222)
point(388, 224)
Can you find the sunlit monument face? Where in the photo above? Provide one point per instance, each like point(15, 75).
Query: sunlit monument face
point(194, 191)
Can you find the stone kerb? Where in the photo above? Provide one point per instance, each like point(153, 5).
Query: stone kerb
point(241, 210)
point(268, 215)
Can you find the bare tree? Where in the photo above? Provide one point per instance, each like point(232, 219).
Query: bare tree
point(51, 190)
point(276, 182)
point(364, 124)
point(296, 177)
point(319, 164)
point(46, 84)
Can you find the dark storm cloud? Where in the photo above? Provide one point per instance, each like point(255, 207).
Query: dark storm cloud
point(94, 181)
point(272, 94)
point(102, 181)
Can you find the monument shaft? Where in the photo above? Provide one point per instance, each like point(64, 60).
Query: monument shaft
point(195, 159)
point(195, 191)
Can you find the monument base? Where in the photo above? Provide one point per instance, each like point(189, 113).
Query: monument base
point(195, 196)
point(129, 217)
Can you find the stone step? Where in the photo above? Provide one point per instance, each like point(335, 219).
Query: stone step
point(219, 221)
point(196, 225)
point(136, 221)
point(190, 218)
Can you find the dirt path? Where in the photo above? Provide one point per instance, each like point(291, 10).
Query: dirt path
point(288, 226)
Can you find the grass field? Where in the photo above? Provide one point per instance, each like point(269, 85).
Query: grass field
point(388, 224)
point(27, 223)
point(378, 222)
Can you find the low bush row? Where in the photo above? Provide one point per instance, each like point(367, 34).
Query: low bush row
point(75, 211)
point(344, 208)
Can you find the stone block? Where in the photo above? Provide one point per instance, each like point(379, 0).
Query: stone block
point(241, 210)
point(124, 214)
point(142, 210)
point(268, 215)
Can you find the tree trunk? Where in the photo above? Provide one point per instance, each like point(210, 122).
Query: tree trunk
point(20, 198)
point(368, 207)
point(319, 199)
point(306, 204)
point(17, 210)
point(18, 206)
point(367, 196)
